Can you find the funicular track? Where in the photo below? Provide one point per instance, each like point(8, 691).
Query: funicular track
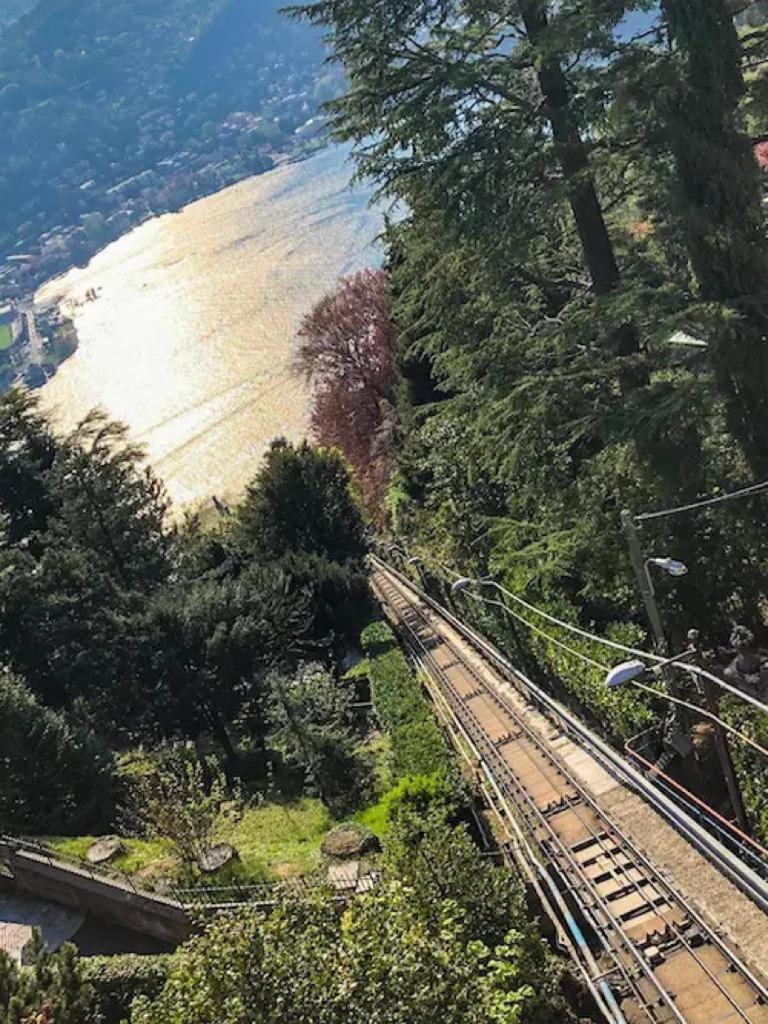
point(646, 953)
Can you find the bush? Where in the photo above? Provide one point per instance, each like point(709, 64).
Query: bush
point(118, 980)
point(420, 794)
point(418, 747)
point(377, 637)
point(56, 775)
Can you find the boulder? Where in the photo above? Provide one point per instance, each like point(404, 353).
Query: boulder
point(216, 857)
point(349, 841)
point(104, 849)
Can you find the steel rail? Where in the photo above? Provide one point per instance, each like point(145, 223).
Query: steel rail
point(755, 887)
point(597, 839)
point(570, 937)
point(609, 923)
point(657, 882)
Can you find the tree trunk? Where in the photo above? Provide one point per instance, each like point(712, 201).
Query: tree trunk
point(573, 157)
point(722, 215)
point(219, 730)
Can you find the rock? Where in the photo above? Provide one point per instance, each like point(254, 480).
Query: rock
point(104, 849)
point(215, 858)
point(348, 841)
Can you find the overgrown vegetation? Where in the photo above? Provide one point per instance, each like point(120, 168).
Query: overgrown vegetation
point(122, 630)
point(417, 745)
point(446, 936)
point(577, 294)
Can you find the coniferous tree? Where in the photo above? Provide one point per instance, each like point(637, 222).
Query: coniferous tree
point(57, 776)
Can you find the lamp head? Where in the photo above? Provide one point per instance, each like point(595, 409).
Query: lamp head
point(460, 584)
point(671, 566)
point(625, 673)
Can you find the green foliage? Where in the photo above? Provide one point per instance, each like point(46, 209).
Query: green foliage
point(307, 961)
point(376, 637)
point(155, 633)
point(301, 500)
point(417, 746)
point(56, 774)
point(310, 716)
point(117, 980)
point(52, 988)
point(413, 794)
point(178, 797)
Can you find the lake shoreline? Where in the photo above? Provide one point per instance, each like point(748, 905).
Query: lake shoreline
point(190, 334)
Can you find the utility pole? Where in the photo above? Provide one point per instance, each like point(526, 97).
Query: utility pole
point(722, 746)
point(640, 566)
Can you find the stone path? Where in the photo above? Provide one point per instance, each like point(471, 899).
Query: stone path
point(19, 915)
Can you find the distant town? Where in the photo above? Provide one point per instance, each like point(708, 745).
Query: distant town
point(233, 150)
point(130, 119)
point(32, 344)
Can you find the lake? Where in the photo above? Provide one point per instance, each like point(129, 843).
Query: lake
point(190, 339)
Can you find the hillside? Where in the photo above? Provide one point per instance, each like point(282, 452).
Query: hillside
point(94, 93)
point(10, 10)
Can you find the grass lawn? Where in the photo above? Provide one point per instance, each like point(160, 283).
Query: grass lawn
point(141, 855)
point(279, 839)
point(276, 840)
point(6, 337)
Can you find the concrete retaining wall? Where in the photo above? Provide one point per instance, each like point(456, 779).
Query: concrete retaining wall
point(100, 897)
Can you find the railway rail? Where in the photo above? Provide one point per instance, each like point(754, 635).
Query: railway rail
point(645, 952)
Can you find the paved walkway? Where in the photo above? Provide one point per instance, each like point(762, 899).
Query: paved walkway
point(19, 915)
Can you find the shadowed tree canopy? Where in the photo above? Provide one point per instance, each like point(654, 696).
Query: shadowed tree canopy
point(302, 501)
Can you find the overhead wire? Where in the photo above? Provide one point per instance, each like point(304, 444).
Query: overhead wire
point(541, 632)
point(742, 493)
point(604, 668)
point(694, 670)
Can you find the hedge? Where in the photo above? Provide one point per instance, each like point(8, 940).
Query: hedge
point(418, 747)
point(118, 980)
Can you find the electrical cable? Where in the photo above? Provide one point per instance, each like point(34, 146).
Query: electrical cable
point(702, 711)
point(743, 493)
point(688, 795)
point(604, 668)
point(624, 648)
point(541, 632)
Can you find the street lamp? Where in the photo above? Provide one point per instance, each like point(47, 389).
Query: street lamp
point(671, 566)
point(641, 566)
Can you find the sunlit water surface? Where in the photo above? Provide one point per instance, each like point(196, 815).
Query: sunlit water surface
point(191, 338)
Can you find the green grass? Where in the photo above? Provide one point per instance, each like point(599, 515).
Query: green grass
point(276, 840)
point(279, 839)
point(141, 855)
point(6, 337)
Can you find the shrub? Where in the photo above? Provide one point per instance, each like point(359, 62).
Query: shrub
point(56, 775)
point(377, 637)
point(418, 747)
point(420, 794)
point(118, 980)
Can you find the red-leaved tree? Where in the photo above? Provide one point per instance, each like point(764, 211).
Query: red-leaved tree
point(345, 355)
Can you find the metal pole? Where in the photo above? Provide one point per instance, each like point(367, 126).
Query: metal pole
point(629, 526)
point(723, 750)
point(639, 564)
